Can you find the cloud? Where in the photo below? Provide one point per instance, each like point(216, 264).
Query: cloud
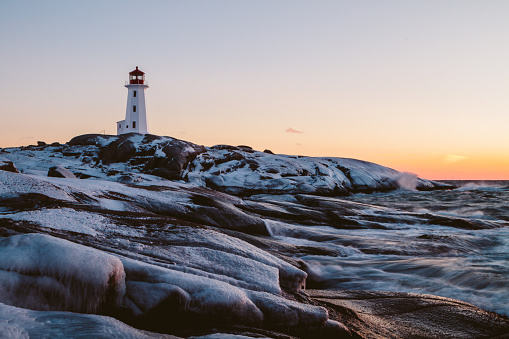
point(291, 130)
point(452, 158)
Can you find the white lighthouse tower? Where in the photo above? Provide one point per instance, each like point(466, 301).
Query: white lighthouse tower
point(135, 113)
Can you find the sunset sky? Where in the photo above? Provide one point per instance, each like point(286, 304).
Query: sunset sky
point(419, 86)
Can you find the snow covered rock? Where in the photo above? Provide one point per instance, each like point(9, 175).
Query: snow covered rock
point(238, 170)
point(243, 171)
point(119, 150)
point(60, 172)
point(7, 165)
point(16, 184)
point(41, 272)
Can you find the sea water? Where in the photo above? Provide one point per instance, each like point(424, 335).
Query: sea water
point(464, 264)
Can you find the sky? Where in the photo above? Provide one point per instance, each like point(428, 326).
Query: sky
point(419, 86)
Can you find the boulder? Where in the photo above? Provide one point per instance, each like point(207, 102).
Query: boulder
point(41, 143)
point(178, 155)
point(119, 150)
point(60, 172)
point(7, 165)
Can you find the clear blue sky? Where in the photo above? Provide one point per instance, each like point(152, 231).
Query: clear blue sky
point(416, 85)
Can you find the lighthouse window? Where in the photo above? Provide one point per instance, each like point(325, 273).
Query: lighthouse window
point(134, 94)
point(134, 124)
point(134, 108)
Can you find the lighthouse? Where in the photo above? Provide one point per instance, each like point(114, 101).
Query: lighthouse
point(135, 113)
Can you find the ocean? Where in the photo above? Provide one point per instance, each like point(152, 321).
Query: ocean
point(471, 265)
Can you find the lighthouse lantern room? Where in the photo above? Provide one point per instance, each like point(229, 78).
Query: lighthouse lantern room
point(135, 115)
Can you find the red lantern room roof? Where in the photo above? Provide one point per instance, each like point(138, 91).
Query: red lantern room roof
point(136, 72)
point(136, 77)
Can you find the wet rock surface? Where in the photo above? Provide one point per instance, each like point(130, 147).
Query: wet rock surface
point(372, 314)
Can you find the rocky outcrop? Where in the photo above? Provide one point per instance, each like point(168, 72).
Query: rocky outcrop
point(241, 170)
point(161, 156)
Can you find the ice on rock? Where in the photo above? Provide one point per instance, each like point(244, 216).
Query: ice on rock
point(200, 295)
point(253, 275)
point(149, 286)
point(143, 297)
point(19, 323)
point(283, 312)
point(209, 249)
point(41, 272)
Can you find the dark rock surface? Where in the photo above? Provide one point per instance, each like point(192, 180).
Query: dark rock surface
point(372, 314)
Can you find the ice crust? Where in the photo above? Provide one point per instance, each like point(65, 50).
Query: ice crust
point(20, 323)
point(207, 297)
point(44, 273)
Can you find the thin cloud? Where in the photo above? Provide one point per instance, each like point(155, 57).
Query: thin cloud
point(452, 158)
point(291, 130)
